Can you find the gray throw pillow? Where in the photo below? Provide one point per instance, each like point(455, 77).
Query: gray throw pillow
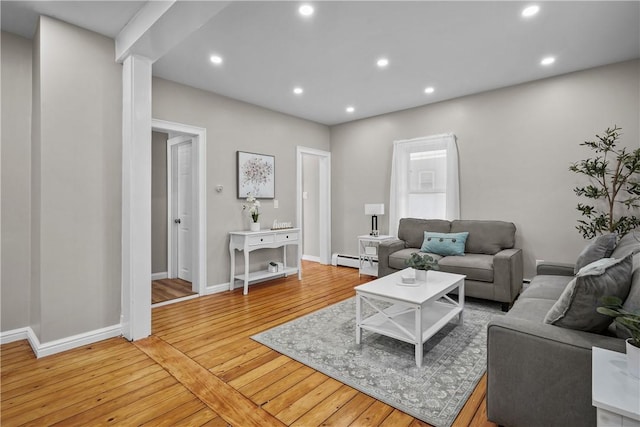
point(576, 307)
point(598, 248)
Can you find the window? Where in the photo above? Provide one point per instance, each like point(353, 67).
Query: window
point(424, 179)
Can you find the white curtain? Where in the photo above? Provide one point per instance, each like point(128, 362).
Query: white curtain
point(400, 170)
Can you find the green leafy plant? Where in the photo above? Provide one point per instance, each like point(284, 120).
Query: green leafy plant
point(630, 321)
point(614, 183)
point(422, 262)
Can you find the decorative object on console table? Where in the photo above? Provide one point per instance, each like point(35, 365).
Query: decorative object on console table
point(368, 254)
point(253, 207)
point(256, 175)
point(374, 210)
point(280, 225)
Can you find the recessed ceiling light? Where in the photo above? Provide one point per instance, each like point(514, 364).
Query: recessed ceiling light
point(382, 62)
point(530, 11)
point(216, 59)
point(305, 10)
point(350, 109)
point(548, 60)
point(429, 90)
point(298, 90)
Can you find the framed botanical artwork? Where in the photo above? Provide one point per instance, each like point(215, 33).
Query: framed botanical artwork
point(256, 175)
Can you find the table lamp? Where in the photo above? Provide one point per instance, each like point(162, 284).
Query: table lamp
point(374, 209)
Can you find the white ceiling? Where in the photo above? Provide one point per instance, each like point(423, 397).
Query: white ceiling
point(459, 48)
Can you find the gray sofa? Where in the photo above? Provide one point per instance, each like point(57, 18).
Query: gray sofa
point(491, 263)
point(539, 374)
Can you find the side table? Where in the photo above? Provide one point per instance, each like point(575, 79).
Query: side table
point(368, 253)
point(614, 393)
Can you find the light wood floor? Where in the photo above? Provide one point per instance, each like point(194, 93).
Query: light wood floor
point(200, 368)
point(167, 289)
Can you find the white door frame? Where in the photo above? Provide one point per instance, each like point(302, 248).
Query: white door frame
point(324, 226)
point(198, 138)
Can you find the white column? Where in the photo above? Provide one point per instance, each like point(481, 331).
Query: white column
point(136, 198)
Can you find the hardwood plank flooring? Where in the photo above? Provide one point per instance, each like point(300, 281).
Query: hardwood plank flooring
point(163, 290)
point(201, 368)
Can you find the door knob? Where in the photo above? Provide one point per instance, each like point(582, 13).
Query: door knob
point(177, 221)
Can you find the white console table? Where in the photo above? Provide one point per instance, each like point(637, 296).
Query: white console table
point(248, 241)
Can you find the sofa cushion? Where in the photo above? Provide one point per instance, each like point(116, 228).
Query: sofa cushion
point(398, 259)
point(445, 244)
point(531, 309)
point(477, 267)
point(546, 287)
point(598, 248)
point(628, 244)
point(486, 237)
point(576, 307)
point(411, 230)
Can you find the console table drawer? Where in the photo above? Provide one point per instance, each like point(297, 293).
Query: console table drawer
point(286, 237)
point(260, 240)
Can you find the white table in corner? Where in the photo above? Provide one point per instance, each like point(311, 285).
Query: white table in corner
point(614, 393)
point(248, 241)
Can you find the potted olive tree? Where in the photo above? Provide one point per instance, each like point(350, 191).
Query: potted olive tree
point(629, 321)
point(613, 190)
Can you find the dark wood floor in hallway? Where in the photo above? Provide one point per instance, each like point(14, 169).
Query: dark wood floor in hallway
point(200, 368)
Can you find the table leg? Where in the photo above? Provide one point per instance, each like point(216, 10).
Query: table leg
point(232, 253)
point(418, 336)
point(246, 273)
point(358, 318)
point(461, 303)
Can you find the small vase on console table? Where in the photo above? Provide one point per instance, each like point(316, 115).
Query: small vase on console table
point(254, 226)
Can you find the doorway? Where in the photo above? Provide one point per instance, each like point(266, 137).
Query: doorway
point(313, 197)
point(179, 214)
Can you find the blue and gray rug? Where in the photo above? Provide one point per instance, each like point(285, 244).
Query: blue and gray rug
point(385, 368)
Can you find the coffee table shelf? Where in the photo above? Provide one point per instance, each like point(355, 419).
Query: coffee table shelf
point(397, 319)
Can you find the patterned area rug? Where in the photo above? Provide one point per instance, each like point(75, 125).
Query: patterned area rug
point(384, 368)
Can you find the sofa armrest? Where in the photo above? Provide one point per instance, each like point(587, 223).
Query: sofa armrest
point(386, 248)
point(549, 268)
point(539, 374)
point(507, 275)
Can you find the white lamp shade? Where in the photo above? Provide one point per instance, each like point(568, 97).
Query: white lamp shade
point(374, 209)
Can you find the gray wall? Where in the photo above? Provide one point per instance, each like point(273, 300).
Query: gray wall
point(16, 181)
point(234, 125)
point(311, 205)
point(515, 146)
point(159, 202)
point(77, 158)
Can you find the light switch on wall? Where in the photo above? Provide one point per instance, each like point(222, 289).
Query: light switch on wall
point(305, 195)
point(275, 203)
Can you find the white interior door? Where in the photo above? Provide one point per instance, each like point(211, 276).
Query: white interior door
point(180, 251)
point(185, 216)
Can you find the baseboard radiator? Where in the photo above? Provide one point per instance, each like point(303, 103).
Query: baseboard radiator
point(345, 260)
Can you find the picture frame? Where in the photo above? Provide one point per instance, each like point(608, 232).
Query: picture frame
point(256, 175)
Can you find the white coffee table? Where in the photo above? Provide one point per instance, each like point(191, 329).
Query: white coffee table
point(416, 313)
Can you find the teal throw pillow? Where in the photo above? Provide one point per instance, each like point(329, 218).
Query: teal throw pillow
point(444, 244)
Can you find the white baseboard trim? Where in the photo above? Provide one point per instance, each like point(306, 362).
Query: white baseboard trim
point(311, 258)
point(159, 276)
point(15, 335)
point(63, 344)
point(214, 289)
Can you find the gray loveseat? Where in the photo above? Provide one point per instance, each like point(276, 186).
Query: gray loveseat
point(539, 374)
point(491, 263)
